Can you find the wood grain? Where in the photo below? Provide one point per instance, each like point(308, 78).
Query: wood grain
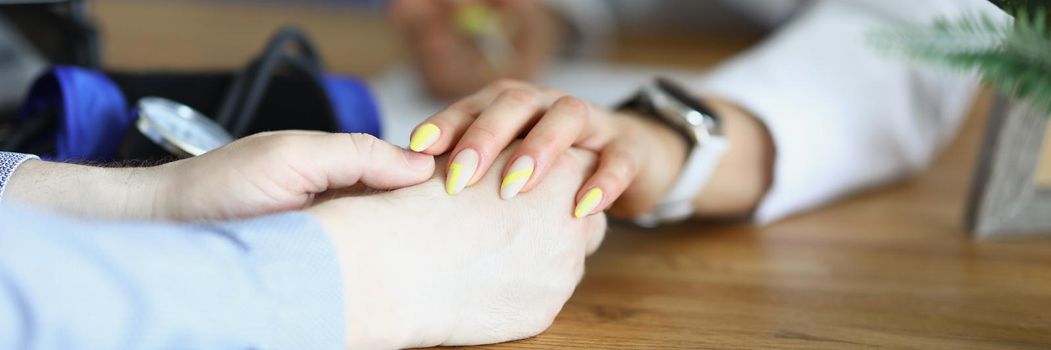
point(889, 268)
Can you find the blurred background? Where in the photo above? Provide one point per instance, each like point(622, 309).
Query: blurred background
point(892, 266)
point(354, 37)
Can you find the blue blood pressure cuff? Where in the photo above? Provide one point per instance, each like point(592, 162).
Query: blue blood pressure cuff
point(79, 114)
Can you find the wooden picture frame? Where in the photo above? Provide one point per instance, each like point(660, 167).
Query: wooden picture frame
point(1011, 195)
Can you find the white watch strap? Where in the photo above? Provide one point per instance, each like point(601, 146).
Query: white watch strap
point(698, 169)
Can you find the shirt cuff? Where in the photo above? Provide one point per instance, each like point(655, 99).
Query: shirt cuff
point(301, 274)
point(9, 162)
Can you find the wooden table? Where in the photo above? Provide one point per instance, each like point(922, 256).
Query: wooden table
point(891, 268)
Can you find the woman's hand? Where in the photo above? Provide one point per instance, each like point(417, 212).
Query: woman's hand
point(477, 128)
point(448, 55)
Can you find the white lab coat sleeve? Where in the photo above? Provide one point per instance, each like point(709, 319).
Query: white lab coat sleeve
point(843, 116)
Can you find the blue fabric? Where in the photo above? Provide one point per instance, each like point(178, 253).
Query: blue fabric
point(267, 283)
point(94, 117)
point(355, 108)
point(92, 112)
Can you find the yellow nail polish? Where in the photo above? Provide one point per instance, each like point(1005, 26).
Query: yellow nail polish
point(461, 170)
point(452, 178)
point(424, 137)
point(588, 202)
point(517, 176)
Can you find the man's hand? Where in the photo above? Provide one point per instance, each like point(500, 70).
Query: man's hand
point(280, 171)
point(260, 174)
point(422, 268)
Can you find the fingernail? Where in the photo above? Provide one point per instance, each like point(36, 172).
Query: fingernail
point(517, 176)
point(588, 203)
point(424, 137)
point(460, 171)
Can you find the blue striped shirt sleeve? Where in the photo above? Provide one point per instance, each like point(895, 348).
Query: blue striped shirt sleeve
point(266, 283)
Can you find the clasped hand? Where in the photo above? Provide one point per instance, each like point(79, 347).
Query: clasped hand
point(420, 268)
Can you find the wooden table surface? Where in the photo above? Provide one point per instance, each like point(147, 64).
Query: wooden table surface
point(890, 268)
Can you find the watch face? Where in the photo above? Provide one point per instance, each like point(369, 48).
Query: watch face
point(179, 128)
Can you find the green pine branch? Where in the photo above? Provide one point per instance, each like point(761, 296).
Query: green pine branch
point(1019, 6)
point(1015, 59)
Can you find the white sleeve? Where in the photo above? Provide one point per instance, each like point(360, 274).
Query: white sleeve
point(842, 116)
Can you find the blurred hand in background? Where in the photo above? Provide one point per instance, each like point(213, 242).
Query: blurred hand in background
point(462, 45)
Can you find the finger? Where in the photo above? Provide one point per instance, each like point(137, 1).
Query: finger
point(437, 134)
point(291, 132)
point(450, 63)
point(534, 33)
point(511, 113)
point(347, 159)
point(446, 57)
point(413, 19)
point(596, 233)
point(567, 121)
point(619, 163)
point(413, 16)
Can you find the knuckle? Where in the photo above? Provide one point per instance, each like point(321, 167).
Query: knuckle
point(520, 96)
point(573, 110)
point(629, 165)
point(545, 142)
point(553, 92)
point(461, 107)
point(628, 135)
point(573, 105)
point(278, 142)
point(484, 133)
point(361, 144)
point(505, 83)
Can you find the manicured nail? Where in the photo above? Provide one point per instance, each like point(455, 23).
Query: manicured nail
point(424, 137)
point(588, 203)
point(517, 176)
point(460, 171)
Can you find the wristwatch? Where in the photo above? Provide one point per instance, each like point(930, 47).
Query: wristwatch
point(673, 106)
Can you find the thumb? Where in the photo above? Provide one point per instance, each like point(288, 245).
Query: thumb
point(348, 159)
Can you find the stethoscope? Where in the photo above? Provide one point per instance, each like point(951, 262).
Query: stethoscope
point(173, 127)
